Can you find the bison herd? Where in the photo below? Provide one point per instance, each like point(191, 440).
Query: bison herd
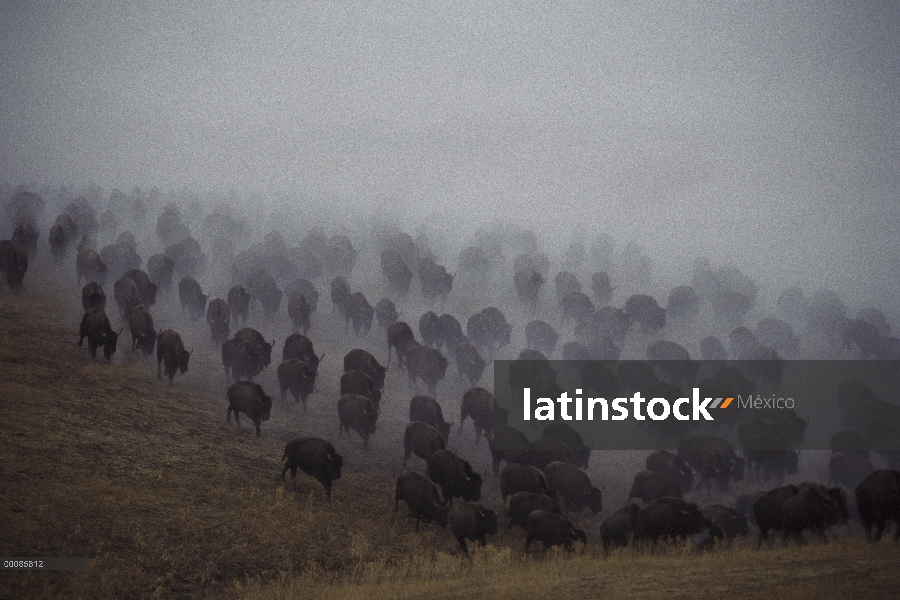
point(544, 483)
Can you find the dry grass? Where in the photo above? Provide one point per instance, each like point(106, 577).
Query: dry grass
point(106, 461)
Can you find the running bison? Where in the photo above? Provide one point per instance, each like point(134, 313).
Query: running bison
point(315, 457)
point(295, 376)
point(143, 334)
point(878, 502)
point(249, 398)
point(95, 327)
point(422, 497)
point(170, 350)
point(552, 530)
point(472, 521)
point(359, 414)
point(421, 439)
point(455, 476)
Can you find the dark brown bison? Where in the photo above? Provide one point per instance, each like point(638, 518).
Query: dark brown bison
point(469, 362)
point(523, 478)
point(509, 445)
point(357, 382)
point(90, 266)
point(93, 296)
point(315, 457)
point(731, 522)
point(170, 350)
point(126, 294)
point(262, 348)
point(427, 363)
point(161, 269)
point(672, 465)
point(340, 295)
point(146, 288)
point(767, 510)
point(455, 476)
point(472, 521)
point(422, 497)
point(240, 359)
point(574, 486)
point(192, 298)
point(400, 337)
point(300, 347)
point(427, 410)
point(13, 265)
point(305, 288)
point(59, 239)
point(814, 507)
point(522, 504)
point(619, 527)
point(95, 327)
point(705, 458)
point(878, 502)
point(143, 334)
point(295, 376)
point(421, 439)
point(299, 311)
point(580, 452)
point(248, 398)
point(359, 414)
point(649, 485)
point(479, 404)
point(673, 518)
point(552, 530)
point(239, 304)
point(361, 360)
point(386, 313)
point(218, 317)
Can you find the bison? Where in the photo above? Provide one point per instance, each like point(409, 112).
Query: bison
point(574, 486)
point(552, 530)
point(523, 478)
point(300, 347)
point(170, 350)
point(126, 294)
point(143, 334)
point(422, 497)
point(540, 335)
point(400, 337)
point(581, 452)
point(730, 521)
point(95, 326)
point(479, 404)
point(239, 303)
point(361, 360)
point(427, 410)
point(249, 398)
point(357, 382)
point(509, 445)
point(14, 265)
point(472, 521)
point(669, 517)
point(455, 476)
point(299, 310)
point(359, 414)
point(814, 507)
point(360, 313)
point(161, 269)
point(669, 463)
point(430, 328)
point(649, 485)
point(218, 316)
point(469, 362)
point(421, 439)
point(90, 266)
point(315, 457)
point(93, 296)
point(522, 504)
point(192, 298)
point(262, 348)
point(619, 527)
point(296, 376)
point(878, 502)
point(386, 313)
point(240, 359)
point(145, 287)
point(427, 363)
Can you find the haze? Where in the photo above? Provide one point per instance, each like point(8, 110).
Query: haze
point(764, 134)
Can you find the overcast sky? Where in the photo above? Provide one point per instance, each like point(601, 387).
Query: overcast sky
point(772, 128)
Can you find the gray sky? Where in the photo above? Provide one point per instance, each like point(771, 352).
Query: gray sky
point(771, 126)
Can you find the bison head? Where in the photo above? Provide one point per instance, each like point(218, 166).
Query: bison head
point(472, 490)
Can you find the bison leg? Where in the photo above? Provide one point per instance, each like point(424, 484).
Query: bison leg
point(92, 346)
point(462, 544)
point(258, 433)
point(327, 485)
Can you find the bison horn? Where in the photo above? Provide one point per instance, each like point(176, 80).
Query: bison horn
point(322, 357)
point(191, 352)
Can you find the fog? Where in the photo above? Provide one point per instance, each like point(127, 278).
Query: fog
point(761, 134)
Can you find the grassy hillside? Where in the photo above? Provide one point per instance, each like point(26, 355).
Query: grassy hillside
point(109, 462)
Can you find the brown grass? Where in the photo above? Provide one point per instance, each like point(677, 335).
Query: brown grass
point(108, 462)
